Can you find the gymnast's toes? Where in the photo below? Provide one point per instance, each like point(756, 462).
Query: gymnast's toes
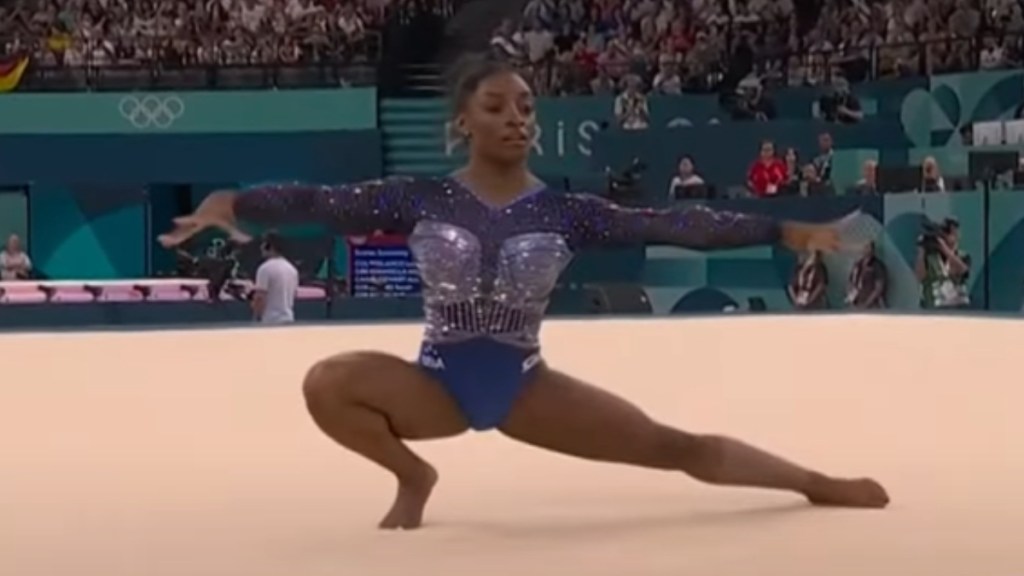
point(856, 493)
point(407, 511)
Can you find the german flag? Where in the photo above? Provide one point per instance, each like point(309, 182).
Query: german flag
point(11, 70)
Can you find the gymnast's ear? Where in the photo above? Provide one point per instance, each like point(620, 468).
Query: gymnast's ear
point(461, 126)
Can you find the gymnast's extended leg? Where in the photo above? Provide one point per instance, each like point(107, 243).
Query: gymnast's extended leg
point(560, 413)
point(368, 402)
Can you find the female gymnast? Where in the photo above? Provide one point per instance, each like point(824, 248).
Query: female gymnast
point(490, 242)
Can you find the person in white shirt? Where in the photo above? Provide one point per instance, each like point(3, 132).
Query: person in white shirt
point(277, 281)
point(14, 262)
point(631, 109)
point(992, 55)
point(685, 178)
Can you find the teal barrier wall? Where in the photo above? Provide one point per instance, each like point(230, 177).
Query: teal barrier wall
point(1005, 265)
point(221, 112)
point(722, 153)
point(13, 214)
point(89, 232)
point(920, 113)
point(687, 281)
point(416, 135)
point(95, 198)
point(95, 215)
point(680, 281)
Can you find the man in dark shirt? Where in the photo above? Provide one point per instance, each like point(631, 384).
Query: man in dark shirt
point(840, 105)
point(823, 161)
point(868, 282)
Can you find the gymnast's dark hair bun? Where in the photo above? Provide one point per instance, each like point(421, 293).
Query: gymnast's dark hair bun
point(466, 75)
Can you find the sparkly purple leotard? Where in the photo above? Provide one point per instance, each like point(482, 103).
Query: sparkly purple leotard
point(488, 271)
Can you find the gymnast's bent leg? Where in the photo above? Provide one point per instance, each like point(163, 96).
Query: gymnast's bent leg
point(560, 413)
point(368, 402)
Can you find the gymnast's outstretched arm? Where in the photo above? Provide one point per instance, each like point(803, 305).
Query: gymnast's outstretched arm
point(360, 208)
point(598, 222)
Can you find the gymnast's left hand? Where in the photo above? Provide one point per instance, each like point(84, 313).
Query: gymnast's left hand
point(802, 237)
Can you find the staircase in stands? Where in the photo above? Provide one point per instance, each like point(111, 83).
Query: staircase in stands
point(413, 130)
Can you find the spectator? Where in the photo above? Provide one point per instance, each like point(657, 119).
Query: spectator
point(751, 102)
point(505, 43)
point(808, 283)
point(14, 262)
point(631, 110)
point(811, 184)
point(992, 55)
point(942, 268)
point(668, 80)
point(868, 183)
point(173, 34)
point(792, 161)
point(686, 183)
point(767, 173)
point(823, 161)
point(868, 282)
point(539, 42)
point(931, 176)
point(840, 105)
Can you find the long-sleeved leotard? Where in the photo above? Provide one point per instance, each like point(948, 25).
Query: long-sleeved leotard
point(489, 270)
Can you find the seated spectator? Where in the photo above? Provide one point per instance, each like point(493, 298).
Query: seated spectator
point(868, 282)
point(631, 111)
point(505, 43)
point(751, 102)
point(792, 160)
point(811, 185)
point(767, 174)
point(992, 56)
point(686, 183)
point(823, 161)
point(931, 177)
point(668, 80)
point(14, 262)
point(538, 41)
point(868, 183)
point(99, 33)
point(840, 105)
point(809, 282)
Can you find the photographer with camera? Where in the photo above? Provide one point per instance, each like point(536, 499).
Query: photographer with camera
point(624, 187)
point(941, 267)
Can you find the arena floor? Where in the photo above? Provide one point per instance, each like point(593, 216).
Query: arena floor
point(190, 454)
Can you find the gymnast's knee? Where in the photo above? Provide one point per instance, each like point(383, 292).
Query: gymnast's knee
point(332, 383)
point(699, 455)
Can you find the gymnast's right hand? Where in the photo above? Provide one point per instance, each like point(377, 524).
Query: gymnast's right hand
point(216, 211)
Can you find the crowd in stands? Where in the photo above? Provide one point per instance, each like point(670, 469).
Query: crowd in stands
point(592, 46)
point(188, 32)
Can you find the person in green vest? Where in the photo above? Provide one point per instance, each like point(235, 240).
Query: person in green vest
point(942, 267)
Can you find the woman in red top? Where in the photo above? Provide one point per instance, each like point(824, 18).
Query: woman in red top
point(767, 173)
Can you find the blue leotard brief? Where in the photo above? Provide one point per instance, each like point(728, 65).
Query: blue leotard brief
point(484, 376)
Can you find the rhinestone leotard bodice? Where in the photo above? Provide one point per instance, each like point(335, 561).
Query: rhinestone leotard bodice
point(490, 270)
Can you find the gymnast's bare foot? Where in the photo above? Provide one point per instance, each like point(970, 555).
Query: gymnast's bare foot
point(855, 493)
point(407, 511)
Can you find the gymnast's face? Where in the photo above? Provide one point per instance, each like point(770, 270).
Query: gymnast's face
point(499, 120)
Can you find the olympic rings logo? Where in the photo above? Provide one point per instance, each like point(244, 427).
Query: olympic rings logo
point(151, 111)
